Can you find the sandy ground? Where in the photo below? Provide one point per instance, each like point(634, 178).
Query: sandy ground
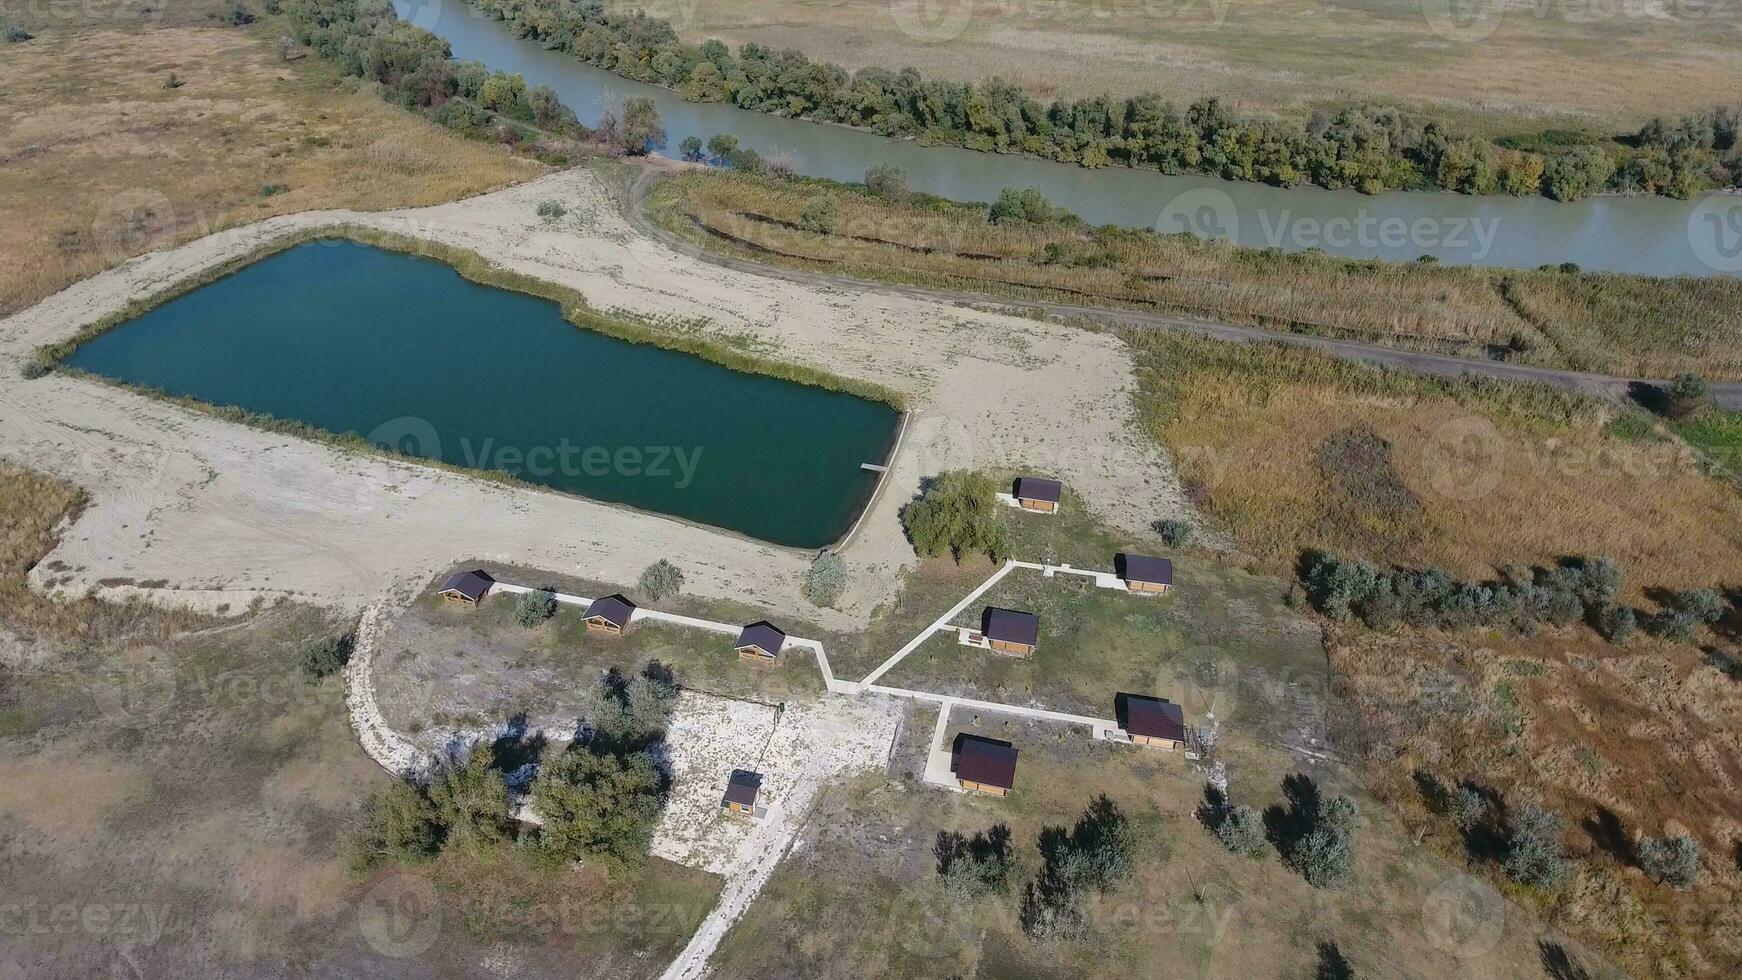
point(193, 510)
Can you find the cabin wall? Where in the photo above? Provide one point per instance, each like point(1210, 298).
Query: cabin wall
point(1146, 586)
point(1005, 646)
point(974, 787)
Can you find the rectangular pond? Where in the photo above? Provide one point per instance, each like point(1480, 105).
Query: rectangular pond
point(401, 349)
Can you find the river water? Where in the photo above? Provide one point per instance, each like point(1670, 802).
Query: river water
point(1649, 235)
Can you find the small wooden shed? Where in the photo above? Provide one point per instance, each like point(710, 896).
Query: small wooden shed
point(467, 588)
point(1034, 493)
point(985, 765)
point(1151, 721)
point(742, 790)
point(610, 615)
point(760, 642)
point(1009, 631)
point(1144, 574)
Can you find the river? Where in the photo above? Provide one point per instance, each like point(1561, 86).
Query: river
point(1648, 235)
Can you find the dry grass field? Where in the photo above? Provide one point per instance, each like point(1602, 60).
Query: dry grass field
point(1627, 325)
point(103, 161)
point(1581, 64)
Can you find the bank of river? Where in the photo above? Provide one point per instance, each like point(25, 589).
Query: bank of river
point(349, 338)
point(1646, 235)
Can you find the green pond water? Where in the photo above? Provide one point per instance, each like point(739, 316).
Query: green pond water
point(402, 350)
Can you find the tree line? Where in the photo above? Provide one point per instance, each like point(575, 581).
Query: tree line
point(1369, 148)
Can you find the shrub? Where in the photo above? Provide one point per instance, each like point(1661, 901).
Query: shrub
point(691, 149)
point(1705, 605)
point(597, 805)
point(722, 146)
point(324, 657)
point(1325, 854)
point(284, 46)
point(887, 182)
point(471, 801)
point(534, 607)
point(1672, 861)
point(1618, 624)
point(641, 128)
point(1535, 851)
point(1469, 809)
point(826, 579)
point(238, 14)
point(173, 81)
point(1686, 396)
point(972, 868)
point(1677, 625)
point(1027, 204)
point(272, 190)
point(17, 35)
point(396, 824)
point(1175, 533)
point(956, 514)
point(551, 210)
point(661, 579)
point(630, 714)
point(34, 368)
point(1242, 832)
point(821, 215)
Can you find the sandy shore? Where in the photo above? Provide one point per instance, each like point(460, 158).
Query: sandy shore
point(189, 509)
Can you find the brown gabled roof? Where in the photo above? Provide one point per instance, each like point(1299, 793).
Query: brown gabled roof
point(764, 636)
point(743, 787)
point(1035, 488)
point(1154, 717)
point(474, 584)
point(614, 609)
point(986, 761)
point(1141, 568)
point(1010, 626)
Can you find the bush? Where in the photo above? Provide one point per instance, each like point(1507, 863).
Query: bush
point(1687, 396)
point(471, 801)
point(597, 805)
point(641, 129)
point(17, 35)
point(34, 368)
point(956, 514)
point(691, 149)
point(1325, 854)
point(534, 607)
point(285, 45)
point(238, 14)
point(723, 146)
point(821, 215)
point(324, 657)
point(826, 579)
point(1618, 624)
point(1469, 809)
point(630, 714)
point(1175, 533)
point(396, 824)
point(887, 182)
point(661, 579)
point(273, 190)
point(1027, 204)
point(1705, 605)
point(976, 867)
point(1535, 851)
point(1672, 861)
point(551, 210)
point(1242, 832)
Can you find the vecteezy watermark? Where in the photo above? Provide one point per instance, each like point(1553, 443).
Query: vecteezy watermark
point(1471, 236)
point(940, 21)
point(1470, 21)
point(1464, 21)
point(1715, 232)
point(409, 435)
point(81, 11)
point(421, 13)
point(1203, 211)
point(132, 923)
point(1464, 916)
point(400, 916)
point(1465, 458)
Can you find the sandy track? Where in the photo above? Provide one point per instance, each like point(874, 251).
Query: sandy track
point(223, 513)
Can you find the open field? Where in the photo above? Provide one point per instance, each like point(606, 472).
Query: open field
point(105, 162)
point(1625, 325)
point(1544, 64)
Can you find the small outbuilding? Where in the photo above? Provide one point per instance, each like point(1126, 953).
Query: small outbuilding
point(1009, 631)
point(1034, 493)
point(468, 588)
point(1144, 574)
point(742, 790)
point(610, 615)
point(1151, 721)
point(985, 765)
point(760, 642)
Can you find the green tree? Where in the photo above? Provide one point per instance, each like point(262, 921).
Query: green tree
point(534, 607)
point(1325, 855)
point(826, 579)
point(1687, 396)
point(325, 656)
point(691, 149)
point(397, 824)
point(977, 866)
point(597, 805)
point(661, 579)
point(1241, 831)
point(1025, 205)
point(722, 146)
point(955, 515)
point(1672, 861)
point(1536, 850)
point(471, 800)
point(887, 182)
point(821, 214)
point(641, 130)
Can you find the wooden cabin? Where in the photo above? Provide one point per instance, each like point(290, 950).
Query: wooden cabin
point(609, 616)
point(760, 642)
point(1144, 574)
point(1009, 631)
point(1151, 721)
point(741, 792)
point(1036, 494)
point(984, 765)
point(467, 588)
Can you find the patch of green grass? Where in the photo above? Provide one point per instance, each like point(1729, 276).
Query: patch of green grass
point(1717, 433)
